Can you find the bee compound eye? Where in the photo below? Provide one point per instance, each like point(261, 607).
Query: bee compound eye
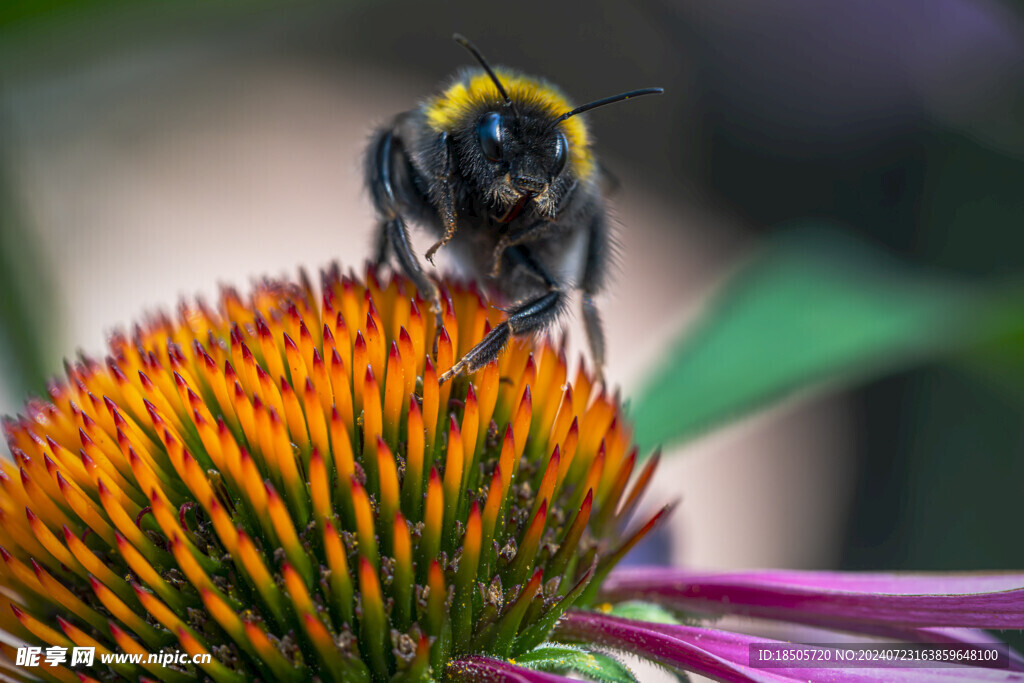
point(489, 132)
point(561, 153)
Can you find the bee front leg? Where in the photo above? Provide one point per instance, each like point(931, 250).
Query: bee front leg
point(523, 318)
point(512, 239)
point(530, 232)
point(444, 201)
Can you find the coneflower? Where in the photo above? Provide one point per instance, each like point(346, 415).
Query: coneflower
point(283, 484)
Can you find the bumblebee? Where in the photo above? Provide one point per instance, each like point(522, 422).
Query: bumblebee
point(500, 166)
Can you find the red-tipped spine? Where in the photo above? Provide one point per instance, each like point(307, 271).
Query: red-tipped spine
point(465, 578)
point(433, 518)
point(365, 529)
point(373, 622)
point(431, 409)
point(412, 485)
point(454, 467)
point(388, 498)
point(403, 582)
point(569, 546)
point(470, 428)
point(436, 617)
point(372, 428)
point(508, 627)
point(521, 427)
point(527, 552)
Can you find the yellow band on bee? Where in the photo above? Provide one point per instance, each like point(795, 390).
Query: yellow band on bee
point(447, 111)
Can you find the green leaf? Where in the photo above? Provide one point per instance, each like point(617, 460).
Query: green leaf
point(642, 611)
point(560, 658)
point(811, 307)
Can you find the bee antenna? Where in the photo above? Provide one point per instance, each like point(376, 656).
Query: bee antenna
point(609, 100)
point(464, 42)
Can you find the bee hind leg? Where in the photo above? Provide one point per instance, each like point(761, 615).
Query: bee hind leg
point(594, 266)
point(393, 232)
point(595, 333)
point(398, 237)
point(380, 244)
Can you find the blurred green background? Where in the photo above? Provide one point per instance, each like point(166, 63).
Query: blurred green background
point(899, 124)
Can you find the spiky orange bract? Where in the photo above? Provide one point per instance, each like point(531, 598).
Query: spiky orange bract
point(278, 483)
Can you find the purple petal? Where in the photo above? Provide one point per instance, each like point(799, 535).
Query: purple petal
point(487, 670)
point(651, 641)
point(844, 601)
point(955, 636)
point(725, 656)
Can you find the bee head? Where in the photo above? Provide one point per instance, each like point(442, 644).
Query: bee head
point(517, 154)
point(516, 137)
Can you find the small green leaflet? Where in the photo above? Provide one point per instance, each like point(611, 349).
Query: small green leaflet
point(652, 613)
point(560, 658)
point(643, 611)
